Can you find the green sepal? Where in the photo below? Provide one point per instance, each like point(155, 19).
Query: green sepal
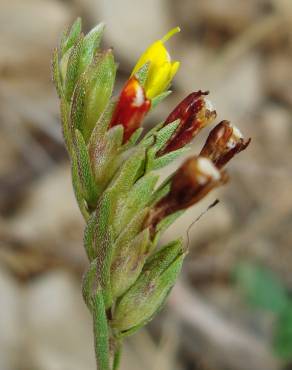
point(164, 134)
point(89, 188)
point(145, 297)
point(136, 328)
point(66, 129)
point(92, 93)
point(98, 243)
point(162, 191)
point(128, 261)
point(72, 72)
point(148, 139)
point(63, 66)
point(77, 187)
point(133, 139)
point(142, 74)
point(102, 125)
point(136, 199)
point(104, 154)
point(69, 40)
point(155, 141)
point(125, 177)
point(97, 229)
point(56, 73)
point(90, 46)
point(159, 98)
point(157, 163)
point(131, 229)
point(90, 283)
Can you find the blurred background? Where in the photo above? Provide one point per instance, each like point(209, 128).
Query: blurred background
point(232, 307)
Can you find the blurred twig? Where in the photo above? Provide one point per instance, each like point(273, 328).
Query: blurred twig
point(232, 345)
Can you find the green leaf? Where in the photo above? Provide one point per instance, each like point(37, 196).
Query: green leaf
point(105, 155)
point(159, 261)
point(149, 137)
point(136, 199)
point(261, 287)
point(102, 125)
point(133, 139)
point(90, 283)
point(56, 73)
point(72, 73)
point(145, 297)
point(92, 93)
point(67, 133)
point(283, 334)
point(89, 188)
point(90, 46)
point(97, 228)
point(70, 40)
point(162, 190)
point(156, 140)
point(166, 159)
point(165, 133)
point(131, 229)
point(63, 66)
point(159, 98)
point(128, 261)
point(126, 176)
point(77, 188)
point(142, 73)
point(98, 242)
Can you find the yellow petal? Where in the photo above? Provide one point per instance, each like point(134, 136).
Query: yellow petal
point(155, 54)
point(161, 70)
point(174, 68)
point(159, 81)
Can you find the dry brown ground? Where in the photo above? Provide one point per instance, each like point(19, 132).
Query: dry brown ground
point(239, 50)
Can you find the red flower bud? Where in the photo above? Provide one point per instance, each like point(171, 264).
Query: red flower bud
point(194, 113)
point(223, 142)
point(131, 107)
point(192, 181)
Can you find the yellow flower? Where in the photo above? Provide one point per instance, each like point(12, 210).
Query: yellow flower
point(161, 68)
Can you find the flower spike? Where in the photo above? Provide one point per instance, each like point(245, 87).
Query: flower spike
point(115, 176)
point(161, 68)
point(131, 108)
point(223, 142)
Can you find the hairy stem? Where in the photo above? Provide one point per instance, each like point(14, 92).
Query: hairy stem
point(117, 355)
point(101, 333)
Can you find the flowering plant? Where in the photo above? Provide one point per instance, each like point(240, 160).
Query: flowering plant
point(114, 178)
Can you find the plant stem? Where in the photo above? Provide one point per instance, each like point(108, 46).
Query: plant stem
point(117, 355)
point(101, 334)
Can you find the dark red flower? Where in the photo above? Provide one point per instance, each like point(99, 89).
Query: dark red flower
point(131, 107)
point(223, 142)
point(194, 113)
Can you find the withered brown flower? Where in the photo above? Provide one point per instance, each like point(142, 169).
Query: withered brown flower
point(223, 142)
point(194, 179)
point(194, 113)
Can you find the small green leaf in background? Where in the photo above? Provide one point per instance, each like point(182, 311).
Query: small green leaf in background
point(283, 334)
point(261, 287)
